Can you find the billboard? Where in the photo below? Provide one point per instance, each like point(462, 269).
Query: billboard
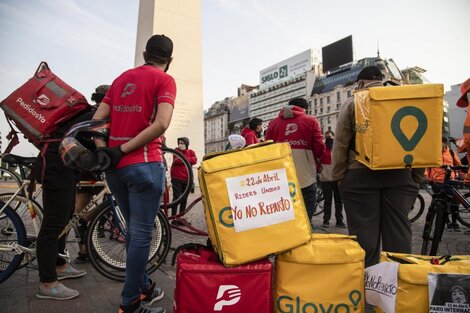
point(337, 53)
point(287, 69)
point(238, 108)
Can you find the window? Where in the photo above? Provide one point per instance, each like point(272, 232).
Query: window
point(328, 119)
point(349, 94)
point(338, 96)
point(321, 101)
point(328, 109)
point(321, 110)
point(328, 100)
point(315, 102)
point(321, 122)
point(316, 112)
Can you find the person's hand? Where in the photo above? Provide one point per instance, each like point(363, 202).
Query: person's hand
point(108, 158)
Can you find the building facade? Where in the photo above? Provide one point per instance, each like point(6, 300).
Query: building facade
point(216, 126)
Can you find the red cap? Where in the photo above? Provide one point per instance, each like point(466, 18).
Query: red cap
point(464, 88)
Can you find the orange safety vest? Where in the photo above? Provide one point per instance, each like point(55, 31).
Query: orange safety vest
point(437, 174)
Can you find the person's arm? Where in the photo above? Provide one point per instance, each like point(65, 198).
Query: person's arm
point(192, 159)
point(155, 130)
point(251, 139)
point(102, 113)
point(319, 148)
point(343, 136)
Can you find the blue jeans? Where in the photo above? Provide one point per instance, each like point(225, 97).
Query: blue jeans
point(137, 189)
point(309, 194)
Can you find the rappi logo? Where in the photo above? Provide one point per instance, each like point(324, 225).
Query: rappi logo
point(233, 294)
point(128, 90)
point(43, 100)
point(290, 128)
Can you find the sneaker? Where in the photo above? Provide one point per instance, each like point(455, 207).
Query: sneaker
point(70, 272)
point(151, 295)
point(341, 225)
point(59, 292)
point(138, 307)
point(326, 224)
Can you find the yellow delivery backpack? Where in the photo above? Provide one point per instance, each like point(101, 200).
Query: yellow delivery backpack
point(253, 202)
point(324, 275)
point(413, 293)
point(399, 126)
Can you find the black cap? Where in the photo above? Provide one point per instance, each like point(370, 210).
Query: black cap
point(370, 73)
point(300, 102)
point(159, 46)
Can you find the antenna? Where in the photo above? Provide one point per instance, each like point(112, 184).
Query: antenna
point(378, 50)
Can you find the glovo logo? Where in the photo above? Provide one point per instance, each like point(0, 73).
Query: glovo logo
point(409, 144)
point(287, 304)
point(292, 191)
point(233, 296)
point(226, 217)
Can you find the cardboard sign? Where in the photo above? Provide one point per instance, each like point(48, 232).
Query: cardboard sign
point(260, 199)
point(381, 285)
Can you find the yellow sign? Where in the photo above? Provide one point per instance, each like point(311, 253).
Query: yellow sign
point(399, 127)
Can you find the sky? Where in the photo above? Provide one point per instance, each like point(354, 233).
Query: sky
point(88, 43)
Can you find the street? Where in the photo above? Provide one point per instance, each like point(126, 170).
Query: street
point(99, 294)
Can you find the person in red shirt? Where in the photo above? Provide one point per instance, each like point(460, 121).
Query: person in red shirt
point(305, 138)
point(139, 105)
point(180, 175)
point(252, 131)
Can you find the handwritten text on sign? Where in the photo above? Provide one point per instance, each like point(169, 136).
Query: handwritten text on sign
point(260, 199)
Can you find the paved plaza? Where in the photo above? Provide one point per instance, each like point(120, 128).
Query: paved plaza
point(101, 295)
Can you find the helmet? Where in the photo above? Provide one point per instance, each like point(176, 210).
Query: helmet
point(77, 148)
point(236, 141)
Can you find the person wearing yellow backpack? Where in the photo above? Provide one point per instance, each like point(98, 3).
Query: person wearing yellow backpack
point(376, 202)
point(436, 178)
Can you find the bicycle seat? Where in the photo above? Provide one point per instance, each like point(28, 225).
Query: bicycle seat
point(13, 159)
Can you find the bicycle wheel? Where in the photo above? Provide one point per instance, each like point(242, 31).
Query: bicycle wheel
point(106, 243)
point(463, 215)
point(9, 180)
point(417, 209)
point(171, 156)
point(32, 220)
point(320, 202)
point(11, 231)
point(433, 228)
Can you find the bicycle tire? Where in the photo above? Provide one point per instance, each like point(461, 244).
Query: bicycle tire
point(168, 157)
point(320, 202)
point(463, 215)
point(10, 175)
point(439, 225)
point(108, 255)
point(433, 228)
point(417, 209)
point(20, 206)
point(10, 225)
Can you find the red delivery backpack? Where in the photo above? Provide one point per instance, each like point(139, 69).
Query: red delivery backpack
point(204, 285)
point(40, 105)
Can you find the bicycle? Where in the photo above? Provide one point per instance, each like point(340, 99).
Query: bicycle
point(440, 208)
point(16, 241)
point(418, 206)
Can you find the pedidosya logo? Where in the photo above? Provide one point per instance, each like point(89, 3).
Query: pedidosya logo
point(226, 296)
point(31, 110)
point(288, 304)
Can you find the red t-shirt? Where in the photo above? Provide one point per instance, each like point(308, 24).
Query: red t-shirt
point(133, 100)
